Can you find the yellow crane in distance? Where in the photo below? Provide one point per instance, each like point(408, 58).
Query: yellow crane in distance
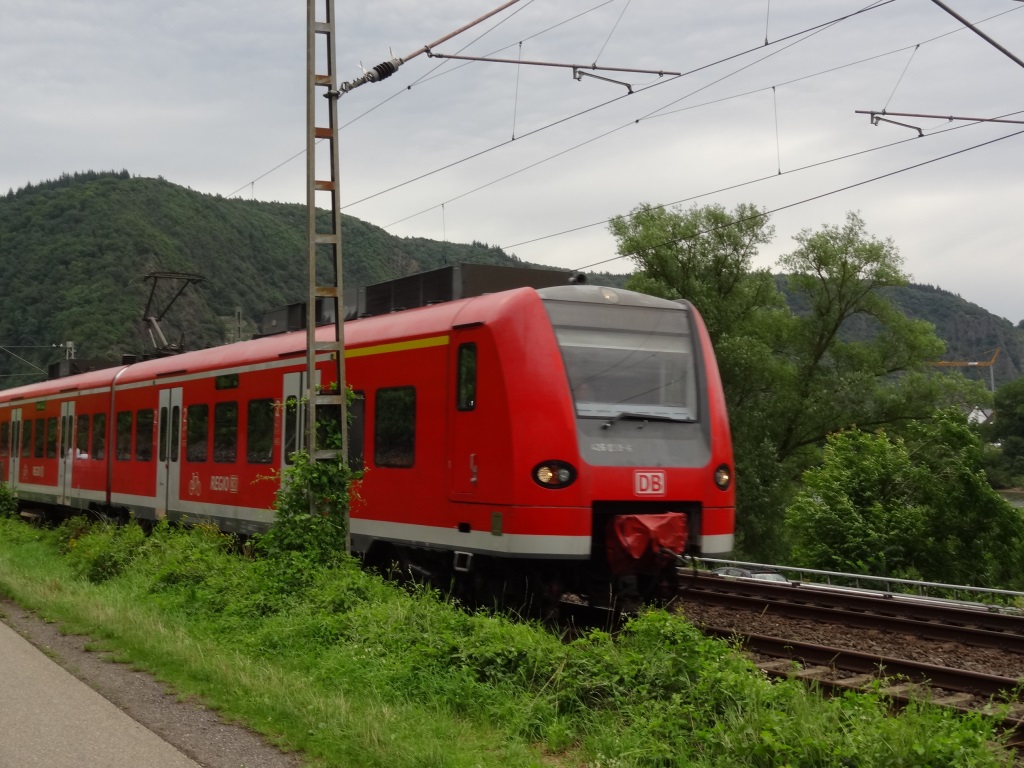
point(974, 364)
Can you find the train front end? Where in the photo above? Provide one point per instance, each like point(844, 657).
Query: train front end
point(654, 445)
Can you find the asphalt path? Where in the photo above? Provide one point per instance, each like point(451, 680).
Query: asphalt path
point(63, 703)
point(49, 718)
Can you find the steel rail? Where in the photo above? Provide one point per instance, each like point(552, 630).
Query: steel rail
point(975, 683)
point(886, 606)
point(968, 635)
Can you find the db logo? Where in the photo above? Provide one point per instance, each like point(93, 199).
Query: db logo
point(649, 483)
point(195, 487)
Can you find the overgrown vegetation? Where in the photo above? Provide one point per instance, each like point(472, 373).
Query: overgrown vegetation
point(917, 507)
point(353, 670)
point(296, 640)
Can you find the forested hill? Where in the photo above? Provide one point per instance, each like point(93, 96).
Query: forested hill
point(74, 252)
point(971, 333)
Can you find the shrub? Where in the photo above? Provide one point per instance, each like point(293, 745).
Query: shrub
point(107, 551)
point(8, 501)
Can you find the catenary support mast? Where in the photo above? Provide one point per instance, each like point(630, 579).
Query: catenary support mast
point(323, 406)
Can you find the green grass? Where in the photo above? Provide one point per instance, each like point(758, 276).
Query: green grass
point(355, 671)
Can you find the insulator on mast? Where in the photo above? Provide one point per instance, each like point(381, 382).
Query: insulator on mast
point(383, 70)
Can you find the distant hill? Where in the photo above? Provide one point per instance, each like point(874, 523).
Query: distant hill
point(74, 252)
point(971, 333)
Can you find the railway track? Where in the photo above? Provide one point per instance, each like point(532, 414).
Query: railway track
point(855, 661)
point(931, 619)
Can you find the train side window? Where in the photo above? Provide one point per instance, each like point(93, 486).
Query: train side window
point(40, 442)
point(465, 399)
point(82, 438)
point(51, 437)
point(291, 428)
point(5, 435)
point(65, 433)
point(15, 439)
point(259, 436)
point(175, 432)
point(99, 436)
point(124, 436)
point(144, 435)
point(197, 433)
point(225, 432)
point(162, 448)
point(394, 436)
point(356, 432)
point(26, 438)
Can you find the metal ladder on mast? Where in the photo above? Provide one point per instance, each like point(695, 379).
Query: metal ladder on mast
point(323, 407)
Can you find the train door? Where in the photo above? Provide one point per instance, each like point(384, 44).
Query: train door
point(168, 465)
point(477, 436)
point(293, 416)
point(11, 437)
point(65, 466)
point(15, 451)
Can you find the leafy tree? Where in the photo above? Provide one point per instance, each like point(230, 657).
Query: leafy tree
point(916, 506)
point(704, 255)
point(791, 378)
point(839, 272)
point(1006, 427)
point(1007, 424)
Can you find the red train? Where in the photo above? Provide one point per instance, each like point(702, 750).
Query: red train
point(575, 433)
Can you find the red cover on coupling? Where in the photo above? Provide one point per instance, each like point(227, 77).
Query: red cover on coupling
point(639, 541)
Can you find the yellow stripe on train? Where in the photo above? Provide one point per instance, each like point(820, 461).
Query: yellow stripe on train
point(398, 346)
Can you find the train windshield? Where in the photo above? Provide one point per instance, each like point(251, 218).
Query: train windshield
point(627, 361)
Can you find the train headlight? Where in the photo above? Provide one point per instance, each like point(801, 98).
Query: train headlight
point(723, 476)
point(554, 474)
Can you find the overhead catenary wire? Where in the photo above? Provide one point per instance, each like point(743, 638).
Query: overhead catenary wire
point(902, 75)
point(22, 359)
point(756, 180)
point(655, 113)
point(385, 69)
point(947, 118)
point(614, 27)
point(778, 147)
point(664, 113)
point(979, 33)
point(385, 101)
point(515, 105)
point(689, 107)
point(873, 6)
point(864, 60)
point(803, 35)
point(733, 187)
point(804, 201)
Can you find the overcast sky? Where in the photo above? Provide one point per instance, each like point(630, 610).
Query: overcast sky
point(210, 94)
